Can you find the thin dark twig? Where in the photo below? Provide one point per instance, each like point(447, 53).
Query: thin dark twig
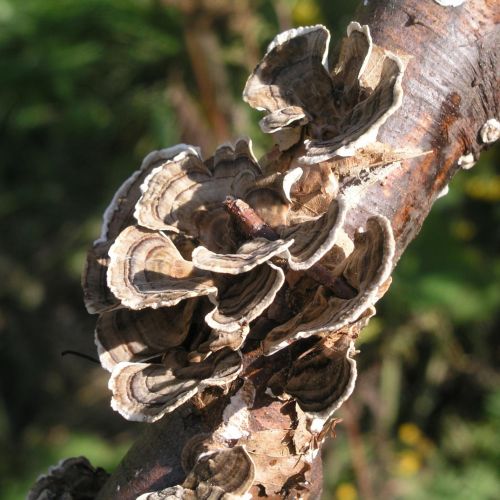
point(80, 355)
point(250, 222)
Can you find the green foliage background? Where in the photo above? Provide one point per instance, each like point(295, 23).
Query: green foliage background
point(87, 88)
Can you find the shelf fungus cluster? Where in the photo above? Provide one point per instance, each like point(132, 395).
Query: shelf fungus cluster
point(334, 111)
point(195, 255)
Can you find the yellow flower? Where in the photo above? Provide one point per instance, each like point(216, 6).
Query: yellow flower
point(346, 491)
point(409, 434)
point(485, 189)
point(306, 12)
point(409, 463)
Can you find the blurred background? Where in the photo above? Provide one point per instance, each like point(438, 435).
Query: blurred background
point(87, 88)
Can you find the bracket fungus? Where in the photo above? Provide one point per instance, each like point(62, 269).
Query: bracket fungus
point(366, 270)
point(200, 261)
point(70, 478)
point(183, 233)
point(147, 270)
point(242, 300)
point(128, 335)
point(177, 195)
point(321, 379)
point(340, 109)
point(226, 474)
point(250, 254)
point(231, 470)
point(117, 216)
point(147, 391)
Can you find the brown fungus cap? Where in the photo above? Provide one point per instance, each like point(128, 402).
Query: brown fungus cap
point(366, 270)
point(312, 239)
point(195, 446)
point(97, 296)
point(120, 212)
point(302, 245)
point(230, 471)
point(271, 196)
point(118, 215)
point(290, 82)
point(177, 194)
point(128, 335)
point(248, 256)
point(242, 300)
point(72, 478)
point(147, 391)
point(322, 379)
point(340, 111)
point(147, 270)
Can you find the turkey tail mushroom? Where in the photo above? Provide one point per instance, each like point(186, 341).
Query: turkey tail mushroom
point(176, 194)
point(147, 270)
point(339, 112)
point(147, 391)
point(70, 478)
point(224, 474)
point(366, 270)
point(128, 335)
point(118, 215)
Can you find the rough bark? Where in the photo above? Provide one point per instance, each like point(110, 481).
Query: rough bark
point(451, 89)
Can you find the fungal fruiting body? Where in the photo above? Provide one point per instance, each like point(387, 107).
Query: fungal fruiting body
point(195, 252)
